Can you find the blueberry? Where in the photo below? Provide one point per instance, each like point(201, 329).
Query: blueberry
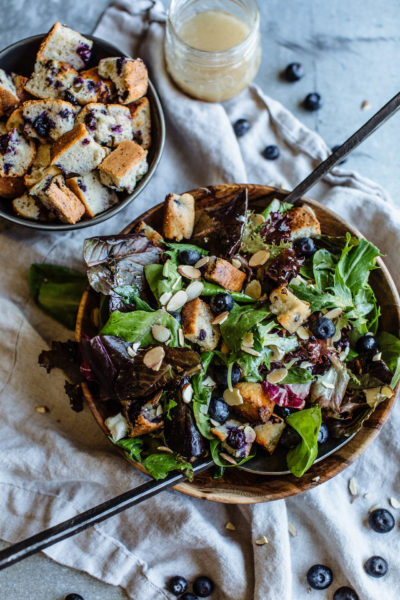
point(177, 316)
point(367, 343)
point(305, 246)
point(345, 593)
point(218, 410)
point(70, 98)
point(271, 152)
point(334, 148)
point(289, 438)
point(323, 328)
point(83, 51)
point(312, 101)
point(323, 434)
point(177, 585)
point(188, 596)
point(221, 303)
point(236, 438)
point(381, 520)
point(376, 566)
point(189, 257)
point(240, 127)
point(221, 375)
point(42, 125)
point(294, 72)
point(73, 597)
point(283, 411)
point(319, 577)
point(203, 586)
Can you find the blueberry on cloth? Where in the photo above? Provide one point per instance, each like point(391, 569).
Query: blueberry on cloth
point(294, 72)
point(376, 566)
point(177, 585)
point(271, 152)
point(74, 597)
point(345, 593)
point(240, 127)
point(381, 520)
point(319, 577)
point(203, 586)
point(312, 102)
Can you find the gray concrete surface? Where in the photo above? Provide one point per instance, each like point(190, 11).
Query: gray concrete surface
point(350, 54)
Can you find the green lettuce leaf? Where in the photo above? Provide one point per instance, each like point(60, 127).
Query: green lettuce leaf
point(130, 295)
point(160, 464)
point(131, 446)
point(57, 291)
point(163, 278)
point(136, 326)
point(202, 396)
point(390, 347)
point(211, 289)
point(297, 375)
point(307, 423)
point(220, 461)
point(175, 248)
point(276, 206)
point(240, 321)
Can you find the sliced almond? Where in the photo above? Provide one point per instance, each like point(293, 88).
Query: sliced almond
point(189, 272)
point(236, 263)
point(251, 351)
point(277, 375)
point(353, 487)
point(394, 502)
point(254, 289)
point(132, 350)
point(165, 297)
point(377, 356)
point(165, 449)
point(261, 541)
point(233, 398)
point(154, 357)
point(160, 333)
point(194, 289)
point(365, 105)
point(292, 529)
point(316, 479)
point(276, 354)
point(224, 348)
point(334, 313)
point(177, 301)
point(248, 340)
point(258, 219)
point(220, 318)
point(259, 258)
point(374, 507)
point(181, 337)
point(42, 409)
point(230, 526)
point(303, 332)
point(203, 261)
point(187, 393)
point(228, 458)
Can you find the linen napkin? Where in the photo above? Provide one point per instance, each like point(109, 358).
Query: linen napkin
point(55, 465)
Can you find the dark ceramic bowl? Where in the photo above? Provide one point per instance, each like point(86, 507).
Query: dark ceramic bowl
point(20, 58)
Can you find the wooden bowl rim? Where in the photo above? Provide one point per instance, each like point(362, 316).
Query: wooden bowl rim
point(318, 473)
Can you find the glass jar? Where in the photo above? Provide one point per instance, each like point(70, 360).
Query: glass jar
point(213, 74)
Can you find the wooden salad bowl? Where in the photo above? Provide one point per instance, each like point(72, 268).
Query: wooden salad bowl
point(238, 486)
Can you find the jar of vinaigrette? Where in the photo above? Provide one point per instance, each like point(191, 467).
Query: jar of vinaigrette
point(212, 47)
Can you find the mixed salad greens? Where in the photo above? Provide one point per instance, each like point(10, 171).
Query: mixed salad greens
point(258, 332)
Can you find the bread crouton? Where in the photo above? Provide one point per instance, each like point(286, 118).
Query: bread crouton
point(221, 272)
point(150, 418)
point(40, 167)
point(141, 122)
point(122, 169)
point(77, 152)
point(269, 433)
point(95, 196)
point(257, 406)
point(237, 438)
point(19, 82)
point(15, 120)
point(303, 222)
point(48, 119)
point(58, 199)
point(67, 45)
point(50, 79)
point(128, 75)
point(151, 234)
point(291, 311)
point(197, 327)
point(11, 187)
point(17, 154)
point(8, 93)
point(179, 212)
point(88, 87)
point(109, 124)
point(27, 207)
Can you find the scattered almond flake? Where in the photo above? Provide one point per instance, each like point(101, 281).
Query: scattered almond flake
point(181, 337)
point(159, 411)
point(258, 219)
point(203, 261)
point(228, 458)
point(354, 498)
point(254, 289)
point(248, 340)
point(328, 386)
point(209, 381)
point(261, 541)
point(189, 272)
point(394, 502)
point(230, 526)
point(334, 313)
point(165, 449)
point(338, 334)
point(277, 375)
point(154, 357)
point(233, 398)
point(177, 301)
point(132, 353)
point(309, 590)
point(277, 354)
point(221, 318)
point(250, 351)
point(292, 529)
point(316, 479)
point(365, 105)
point(215, 423)
point(194, 289)
point(187, 393)
point(176, 283)
point(366, 495)
point(303, 332)
point(241, 218)
point(42, 409)
point(259, 258)
point(374, 507)
point(305, 364)
point(353, 487)
point(236, 263)
point(377, 356)
point(165, 297)
point(160, 333)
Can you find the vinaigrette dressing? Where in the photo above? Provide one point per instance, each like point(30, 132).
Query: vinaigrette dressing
point(213, 31)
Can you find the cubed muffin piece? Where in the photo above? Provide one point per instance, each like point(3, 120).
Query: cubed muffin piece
point(148, 419)
point(95, 196)
point(303, 222)
point(19, 82)
point(59, 199)
point(40, 167)
point(179, 213)
point(237, 438)
point(123, 168)
point(48, 119)
point(88, 87)
point(8, 93)
point(151, 234)
point(66, 45)
point(77, 152)
point(141, 122)
point(221, 272)
point(27, 207)
point(50, 79)
point(109, 124)
point(15, 120)
point(269, 433)
point(257, 406)
point(291, 311)
point(16, 154)
point(197, 325)
point(128, 75)
point(11, 187)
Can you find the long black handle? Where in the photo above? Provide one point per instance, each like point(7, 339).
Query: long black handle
point(90, 517)
point(333, 159)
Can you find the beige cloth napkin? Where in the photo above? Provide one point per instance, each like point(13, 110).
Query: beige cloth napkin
point(55, 465)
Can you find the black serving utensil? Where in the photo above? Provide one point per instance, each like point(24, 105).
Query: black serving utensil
point(101, 512)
